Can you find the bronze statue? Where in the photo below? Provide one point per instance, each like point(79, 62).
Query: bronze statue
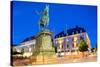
point(44, 20)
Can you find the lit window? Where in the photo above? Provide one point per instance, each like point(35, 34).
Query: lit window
point(75, 39)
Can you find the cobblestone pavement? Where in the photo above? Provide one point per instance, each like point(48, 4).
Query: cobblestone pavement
point(83, 59)
point(57, 60)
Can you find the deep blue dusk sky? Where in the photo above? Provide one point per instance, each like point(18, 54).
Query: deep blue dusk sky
point(25, 19)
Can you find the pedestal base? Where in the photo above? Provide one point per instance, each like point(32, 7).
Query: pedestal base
point(44, 47)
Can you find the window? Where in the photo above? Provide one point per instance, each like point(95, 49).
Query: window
point(72, 50)
point(67, 46)
point(72, 44)
point(75, 39)
point(80, 31)
point(81, 37)
point(72, 32)
point(62, 35)
point(67, 40)
point(67, 34)
point(76, 32)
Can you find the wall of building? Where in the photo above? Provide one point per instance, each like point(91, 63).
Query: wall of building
point(26, 46)
point(71, 42)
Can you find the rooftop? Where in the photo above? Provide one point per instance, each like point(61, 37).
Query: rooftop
point(29, 38)
point(71, 31)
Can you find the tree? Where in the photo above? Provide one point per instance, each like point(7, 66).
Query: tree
point(83, 46)
point(94, 49)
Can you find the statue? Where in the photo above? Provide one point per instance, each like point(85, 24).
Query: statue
point(44, 20)
point(43, 48)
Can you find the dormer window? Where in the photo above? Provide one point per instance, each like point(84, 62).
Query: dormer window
point(66, 34)
point(80, 31)
point(72, 32)
point(76, 32)
point(59, 36)
point(62, 35)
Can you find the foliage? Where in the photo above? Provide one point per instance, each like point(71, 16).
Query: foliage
point(83, 46)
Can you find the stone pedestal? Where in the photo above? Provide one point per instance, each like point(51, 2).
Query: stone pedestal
point(43, 46)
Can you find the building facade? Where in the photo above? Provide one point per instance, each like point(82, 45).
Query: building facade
point(69, 40)
point(26, 46)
